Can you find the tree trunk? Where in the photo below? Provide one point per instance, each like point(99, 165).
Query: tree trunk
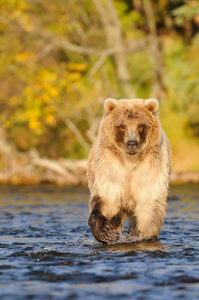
point(114, 39)
point(156, 51)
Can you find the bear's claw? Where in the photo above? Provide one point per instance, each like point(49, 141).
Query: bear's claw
point(102, 229)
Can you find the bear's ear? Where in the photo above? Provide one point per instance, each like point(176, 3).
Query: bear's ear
point(152, 105)
point(109, 105)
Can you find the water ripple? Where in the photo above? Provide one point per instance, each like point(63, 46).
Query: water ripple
point(47, 250)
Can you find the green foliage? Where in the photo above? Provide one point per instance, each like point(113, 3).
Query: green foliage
point(186, 12)
point(183, 75)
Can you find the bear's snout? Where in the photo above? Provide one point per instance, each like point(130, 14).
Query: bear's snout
point(132, 145)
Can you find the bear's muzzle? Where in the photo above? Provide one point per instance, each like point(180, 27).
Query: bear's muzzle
point(132, 145)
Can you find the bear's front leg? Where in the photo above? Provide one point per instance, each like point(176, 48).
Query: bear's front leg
point(103, 230)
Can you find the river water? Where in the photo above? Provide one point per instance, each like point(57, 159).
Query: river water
point(47, 250)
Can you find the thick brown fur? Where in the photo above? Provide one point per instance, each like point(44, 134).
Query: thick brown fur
point(128, 171)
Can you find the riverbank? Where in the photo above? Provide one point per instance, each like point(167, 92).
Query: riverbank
point(32, 169)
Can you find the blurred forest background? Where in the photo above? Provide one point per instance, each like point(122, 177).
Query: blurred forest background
point(60, 59)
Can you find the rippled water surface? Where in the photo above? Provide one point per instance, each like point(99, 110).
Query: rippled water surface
point(47, 250)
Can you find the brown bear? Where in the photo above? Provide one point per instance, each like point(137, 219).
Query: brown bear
point(128, 171)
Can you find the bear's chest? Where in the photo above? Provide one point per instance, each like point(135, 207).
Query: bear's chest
point(140, 179)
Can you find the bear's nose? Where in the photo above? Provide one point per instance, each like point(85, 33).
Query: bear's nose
point(132, 144)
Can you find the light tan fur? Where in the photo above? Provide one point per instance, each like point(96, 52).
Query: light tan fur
point(125, 184)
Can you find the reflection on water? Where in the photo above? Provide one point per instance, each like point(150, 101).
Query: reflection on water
point(47, 250)
point(124, 247)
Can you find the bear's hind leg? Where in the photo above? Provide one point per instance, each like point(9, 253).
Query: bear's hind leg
point(132, 230)
point(149, 223)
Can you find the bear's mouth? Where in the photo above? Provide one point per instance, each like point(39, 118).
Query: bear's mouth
point(131, 153)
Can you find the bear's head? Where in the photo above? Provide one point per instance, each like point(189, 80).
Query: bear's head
point(130, 125)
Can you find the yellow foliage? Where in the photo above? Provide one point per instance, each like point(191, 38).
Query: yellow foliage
point(7, 124)
point(76, 67)
point(51, 109)
point(14, 100)
point(23, 57)
point(50, 120)
point(23, 19)
point(34, 125)
point(32, 114)
point(75, 76)
point(45, 98)
point(28, 91)
point(53, 91)
point(47, 75)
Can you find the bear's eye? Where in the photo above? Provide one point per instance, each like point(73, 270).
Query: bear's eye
point(141, 127)
point(122, 126)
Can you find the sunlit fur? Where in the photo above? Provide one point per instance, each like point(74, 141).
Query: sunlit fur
point(132, 185)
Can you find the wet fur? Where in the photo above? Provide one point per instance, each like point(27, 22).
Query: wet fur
point(129, 185)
